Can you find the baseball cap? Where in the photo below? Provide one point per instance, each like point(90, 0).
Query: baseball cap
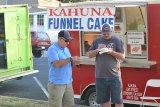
point(65, 34)
point(106, 29)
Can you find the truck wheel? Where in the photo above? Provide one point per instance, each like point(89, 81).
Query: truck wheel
point(37, 53)
point(90, 98)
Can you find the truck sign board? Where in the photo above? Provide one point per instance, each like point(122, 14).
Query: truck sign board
point(89, 18)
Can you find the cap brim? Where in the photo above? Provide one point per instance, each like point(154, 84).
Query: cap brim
point(106, 32)
point(69, 39)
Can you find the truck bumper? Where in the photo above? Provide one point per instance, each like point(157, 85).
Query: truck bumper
point(28, 72)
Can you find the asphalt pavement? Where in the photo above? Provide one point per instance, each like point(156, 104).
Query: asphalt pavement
point(29, 88)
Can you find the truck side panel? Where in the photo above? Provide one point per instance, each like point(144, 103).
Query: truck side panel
point(134, 79)
point(154, 32)
point(16, 36)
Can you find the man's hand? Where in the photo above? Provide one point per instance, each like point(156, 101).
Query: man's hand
point(104, 50)
point(76, 60)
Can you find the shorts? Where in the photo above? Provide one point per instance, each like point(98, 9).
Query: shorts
point(60, 95)
point(109, 90)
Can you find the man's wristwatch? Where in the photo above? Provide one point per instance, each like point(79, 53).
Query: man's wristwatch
point(71, 60)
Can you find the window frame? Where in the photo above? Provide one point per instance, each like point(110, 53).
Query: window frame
point(130, 61)
point(31, 19)
point(40, 20)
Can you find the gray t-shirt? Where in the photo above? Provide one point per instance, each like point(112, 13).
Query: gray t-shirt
point(106, 65)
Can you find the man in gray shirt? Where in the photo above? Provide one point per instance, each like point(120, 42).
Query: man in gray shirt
point(109, 51)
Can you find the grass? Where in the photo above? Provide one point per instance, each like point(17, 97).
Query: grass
point(22, 102)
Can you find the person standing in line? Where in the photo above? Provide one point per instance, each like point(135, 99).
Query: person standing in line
point(60, 72)
point(109, 51)
point(86, 45)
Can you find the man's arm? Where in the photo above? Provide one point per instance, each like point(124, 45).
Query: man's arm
point(75, 60)
point(60, 63)
point(117, 55)
point(92, 53)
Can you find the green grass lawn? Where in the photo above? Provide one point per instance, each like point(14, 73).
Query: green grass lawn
point(22, 102)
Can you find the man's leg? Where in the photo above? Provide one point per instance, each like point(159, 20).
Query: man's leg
point(119, 105)
point(116, 92)
point(55, 95)
point(68, 98)
point(102, 92)
point(107, 104)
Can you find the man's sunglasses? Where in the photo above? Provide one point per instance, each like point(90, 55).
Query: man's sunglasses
point(65, 40)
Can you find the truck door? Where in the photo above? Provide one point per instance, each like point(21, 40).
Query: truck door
point(11, 36)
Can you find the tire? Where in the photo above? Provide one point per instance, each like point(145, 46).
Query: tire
point(90, 98)
point(37, 53)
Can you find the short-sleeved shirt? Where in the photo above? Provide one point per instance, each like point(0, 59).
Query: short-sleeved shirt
point(106, 65)
point(63, 74)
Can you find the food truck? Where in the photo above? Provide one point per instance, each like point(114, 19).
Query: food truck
point(137, 23)
point(15, 43)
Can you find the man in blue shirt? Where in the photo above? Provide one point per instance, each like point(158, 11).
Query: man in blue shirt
point(60, 72)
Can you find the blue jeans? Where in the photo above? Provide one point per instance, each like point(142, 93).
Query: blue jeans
point(109, 89)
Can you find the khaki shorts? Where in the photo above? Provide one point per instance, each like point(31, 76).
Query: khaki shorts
point(60, 95)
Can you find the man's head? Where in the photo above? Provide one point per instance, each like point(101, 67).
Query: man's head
point(106, 31)
point(64, 38)
point(64, 34)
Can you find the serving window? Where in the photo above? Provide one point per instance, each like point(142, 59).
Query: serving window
point(87, 39)
point(136, 36)
point(131, 27)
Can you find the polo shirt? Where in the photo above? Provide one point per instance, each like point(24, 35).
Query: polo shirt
point(63, 74)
